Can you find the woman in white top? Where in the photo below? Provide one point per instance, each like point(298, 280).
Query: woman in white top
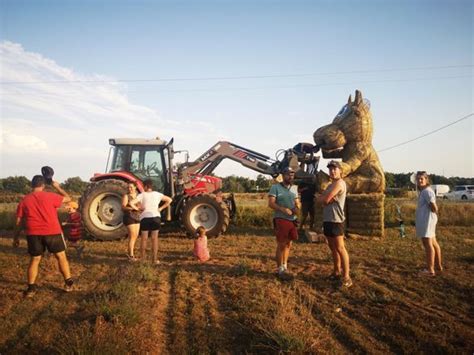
point(150, 217)
point(425, 221)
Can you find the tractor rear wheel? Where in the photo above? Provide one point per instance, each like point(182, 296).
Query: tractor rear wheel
point(101, 209)
point(207, 211)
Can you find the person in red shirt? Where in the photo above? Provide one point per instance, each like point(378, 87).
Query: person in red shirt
point(38, 210)
point(73, 227)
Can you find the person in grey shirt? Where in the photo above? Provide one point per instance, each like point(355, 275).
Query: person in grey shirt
point(426, 219)
point(333, 200)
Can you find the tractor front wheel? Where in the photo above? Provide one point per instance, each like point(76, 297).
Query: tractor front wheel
point(207, 211)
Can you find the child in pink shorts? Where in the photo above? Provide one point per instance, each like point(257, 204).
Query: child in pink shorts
point(201, 251)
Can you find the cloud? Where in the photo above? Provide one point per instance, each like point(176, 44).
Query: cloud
point(21, 142)
point(56, 114)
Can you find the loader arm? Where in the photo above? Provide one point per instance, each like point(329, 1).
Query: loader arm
point(209, 161)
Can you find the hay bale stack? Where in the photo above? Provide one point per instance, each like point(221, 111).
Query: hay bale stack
point(365, 215)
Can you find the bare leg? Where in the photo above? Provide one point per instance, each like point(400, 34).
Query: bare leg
point(343, 255)
point(154, 245)
point(33, 269)
point(144, 236)
point(133, 230)
point(335, 256)
point(63, 264)
point(430, 254)
point(437, 249)
point(279, 255)
point(286, 253)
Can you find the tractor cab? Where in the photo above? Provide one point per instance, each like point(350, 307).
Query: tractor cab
point(144, 158)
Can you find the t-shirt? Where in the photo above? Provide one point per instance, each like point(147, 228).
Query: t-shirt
point(334, 211)
point(284, 197)
point(39, 210)
point(425, 219)
point(307, 193)
point(150, 201)
point(74, 226)
point(200, 249)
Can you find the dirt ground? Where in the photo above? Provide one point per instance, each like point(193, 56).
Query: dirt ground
point(235, 304)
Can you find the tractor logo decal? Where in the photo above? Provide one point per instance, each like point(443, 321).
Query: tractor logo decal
point(208, 154)
point(242, 155)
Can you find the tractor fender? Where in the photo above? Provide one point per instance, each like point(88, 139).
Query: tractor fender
point(119, 175)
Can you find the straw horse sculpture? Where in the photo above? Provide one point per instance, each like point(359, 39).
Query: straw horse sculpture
point(349, 137)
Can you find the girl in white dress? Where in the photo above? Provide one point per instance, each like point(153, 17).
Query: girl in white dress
point(426, 219)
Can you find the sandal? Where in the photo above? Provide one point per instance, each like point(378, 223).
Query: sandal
point(132, 258)
point(346, 283)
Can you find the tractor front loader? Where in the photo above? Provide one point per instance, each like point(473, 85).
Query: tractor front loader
point(197, 196)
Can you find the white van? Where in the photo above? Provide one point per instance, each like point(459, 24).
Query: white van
point(440, 190)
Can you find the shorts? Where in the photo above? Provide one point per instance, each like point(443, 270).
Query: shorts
point(307, 207)
point(38, 243)
point(150, 224)
point(285, 230)
point(333, 229)
point(129, 219)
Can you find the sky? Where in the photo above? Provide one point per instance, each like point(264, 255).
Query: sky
point(262, 74)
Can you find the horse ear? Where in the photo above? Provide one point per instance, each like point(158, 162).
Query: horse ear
point(358, 97)
point(350, 100)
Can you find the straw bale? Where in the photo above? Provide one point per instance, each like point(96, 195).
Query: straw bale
point(369, 217)
point(363, 225)
point(364, 197)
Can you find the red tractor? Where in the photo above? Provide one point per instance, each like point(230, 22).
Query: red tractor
point(197, 196)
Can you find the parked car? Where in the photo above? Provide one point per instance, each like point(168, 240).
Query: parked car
point(461, 192)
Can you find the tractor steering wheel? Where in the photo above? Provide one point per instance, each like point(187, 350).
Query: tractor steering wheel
point(151, 168)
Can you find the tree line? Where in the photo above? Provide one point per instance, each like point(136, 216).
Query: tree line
point(233, 183)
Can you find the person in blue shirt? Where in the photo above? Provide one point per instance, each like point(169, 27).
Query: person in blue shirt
point(283, 200)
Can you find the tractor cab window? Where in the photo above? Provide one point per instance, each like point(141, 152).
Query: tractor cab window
point(147, 163)
point(119, 159)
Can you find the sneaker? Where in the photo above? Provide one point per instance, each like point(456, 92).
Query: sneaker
point(30, 291)
point(346, 283)
point(68, 285)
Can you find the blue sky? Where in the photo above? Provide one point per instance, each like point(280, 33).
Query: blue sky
point(412, 59)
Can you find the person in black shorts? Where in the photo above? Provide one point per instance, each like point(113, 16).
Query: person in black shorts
point(131, 219)
point(150, 217)
point(333, 200)
point(38, 210)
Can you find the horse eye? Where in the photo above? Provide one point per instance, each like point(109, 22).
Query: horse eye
point(343, 110)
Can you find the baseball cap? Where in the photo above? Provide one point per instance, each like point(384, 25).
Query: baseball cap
point(47, 173)
point(287, 170)
point(334, 163)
